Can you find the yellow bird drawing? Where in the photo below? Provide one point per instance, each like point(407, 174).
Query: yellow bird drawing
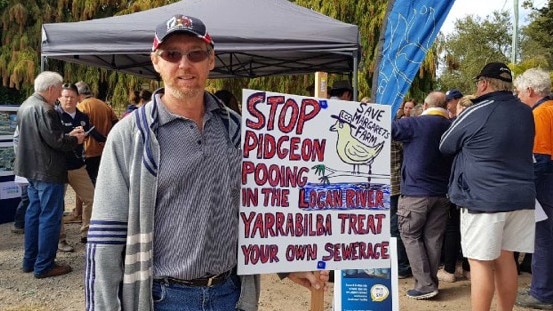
point(351, 150)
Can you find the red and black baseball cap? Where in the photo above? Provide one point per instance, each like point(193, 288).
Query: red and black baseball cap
point(181, 24)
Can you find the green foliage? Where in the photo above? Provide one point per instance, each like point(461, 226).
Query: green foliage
point(21, 37)
point(476, 42)
point(10, 96)
point(473, 43)
point(368, 16)
point(537, 40)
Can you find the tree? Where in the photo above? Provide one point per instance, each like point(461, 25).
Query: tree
point(21, 40)
point(473, 43)
point(537, 38)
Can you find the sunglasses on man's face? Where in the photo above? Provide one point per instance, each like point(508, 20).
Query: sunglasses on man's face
point(175, 56)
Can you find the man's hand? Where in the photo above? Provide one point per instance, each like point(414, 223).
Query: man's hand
point(309, 280)
point(79, 133)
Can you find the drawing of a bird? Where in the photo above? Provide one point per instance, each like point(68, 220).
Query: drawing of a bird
point(351, 150)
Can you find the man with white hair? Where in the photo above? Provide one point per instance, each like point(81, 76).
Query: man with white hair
point(534, 88)
point(40, 159)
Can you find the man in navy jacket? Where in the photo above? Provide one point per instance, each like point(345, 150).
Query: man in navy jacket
point(492, 180)
point(77, 176)
point(423, 205)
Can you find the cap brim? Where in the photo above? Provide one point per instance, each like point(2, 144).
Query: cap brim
point(158, 42)
point(498, 78)
point(342, 120)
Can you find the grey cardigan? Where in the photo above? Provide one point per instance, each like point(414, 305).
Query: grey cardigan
point(119, 250)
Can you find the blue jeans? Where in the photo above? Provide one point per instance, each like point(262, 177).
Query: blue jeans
point(42, 225)
point(19, 218)
point(541, 287)
point(173, 297)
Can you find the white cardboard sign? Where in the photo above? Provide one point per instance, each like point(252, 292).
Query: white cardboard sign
point(315, 184)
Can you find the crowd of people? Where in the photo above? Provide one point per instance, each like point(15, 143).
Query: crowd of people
point(465, 175)
point(154, 240)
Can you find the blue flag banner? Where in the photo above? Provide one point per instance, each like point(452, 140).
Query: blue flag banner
point(411, 27)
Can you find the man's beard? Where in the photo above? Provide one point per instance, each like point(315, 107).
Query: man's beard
point(181, 93)
point(184, 94)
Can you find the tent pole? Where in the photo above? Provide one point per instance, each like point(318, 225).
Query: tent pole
point(42, 63)
point(355, 82)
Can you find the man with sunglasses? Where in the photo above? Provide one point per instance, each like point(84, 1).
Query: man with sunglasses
point(163, 234)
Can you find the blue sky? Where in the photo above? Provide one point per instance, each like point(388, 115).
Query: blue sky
point(482, 8)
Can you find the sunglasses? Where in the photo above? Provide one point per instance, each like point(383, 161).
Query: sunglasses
point(175, 56)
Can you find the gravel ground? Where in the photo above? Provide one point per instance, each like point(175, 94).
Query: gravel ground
point(23, 292)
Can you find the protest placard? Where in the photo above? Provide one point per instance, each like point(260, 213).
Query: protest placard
point(315, 184)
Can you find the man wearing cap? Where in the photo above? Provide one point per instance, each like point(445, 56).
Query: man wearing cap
point(341, 90)
point(452, 98)
point(534, 89)
point(492, 181)
point(163, 233)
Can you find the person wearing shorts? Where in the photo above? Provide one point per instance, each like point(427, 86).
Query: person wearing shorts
point(505, 230)
point(492, 180)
